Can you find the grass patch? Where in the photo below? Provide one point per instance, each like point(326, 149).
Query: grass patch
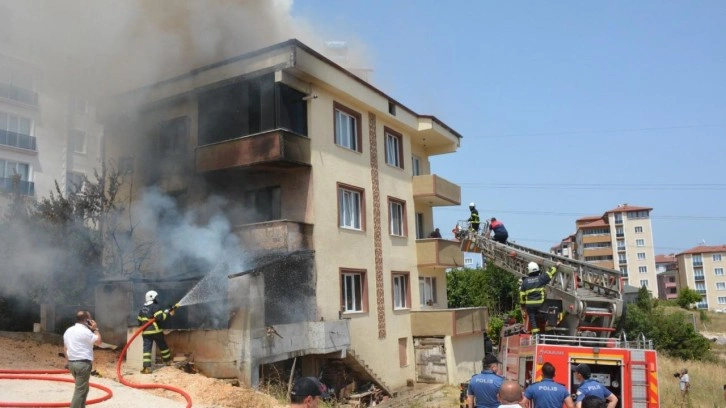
point(707, 381)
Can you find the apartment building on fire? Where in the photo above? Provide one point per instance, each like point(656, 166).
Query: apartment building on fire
point(329, 174)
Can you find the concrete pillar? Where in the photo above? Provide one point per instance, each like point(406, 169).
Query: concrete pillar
point(47, 318)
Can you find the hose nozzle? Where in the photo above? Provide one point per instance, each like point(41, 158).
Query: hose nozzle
point(176, 305)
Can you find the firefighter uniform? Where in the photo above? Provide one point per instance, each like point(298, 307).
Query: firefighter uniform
point(154, 333)
point(532, 295)
point(484, 387)
point(474, 220)
point(547, 394)
point(500, 233)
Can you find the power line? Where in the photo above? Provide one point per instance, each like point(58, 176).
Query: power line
point(572, 214)
point(600, 186)
point(596, 131)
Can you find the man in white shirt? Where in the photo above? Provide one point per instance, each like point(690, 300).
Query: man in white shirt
point(78, 341)
point(684, 384)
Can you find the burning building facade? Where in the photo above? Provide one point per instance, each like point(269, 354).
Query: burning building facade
point(326, 189)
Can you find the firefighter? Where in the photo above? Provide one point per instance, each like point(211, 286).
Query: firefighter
point(500, 233)
point(532, 293)
point(589, 387)
point(474, 217)
point(484, 387)
point(548, 393)
point(154, 333)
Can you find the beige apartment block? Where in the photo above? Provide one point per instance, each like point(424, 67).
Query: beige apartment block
point(48, 134)
point(327, 184)
point(702, 268)
point(620, 239)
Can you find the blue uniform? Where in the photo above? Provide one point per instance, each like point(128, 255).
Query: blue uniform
point(484, 387)
point(592, 387)
point(547, 394)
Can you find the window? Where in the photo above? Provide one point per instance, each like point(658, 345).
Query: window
point(401, 291)
point(420, 232)
point(173, 136)
point(77, 141)
point(9, 170)
point(416, 165)
point(17, 85)
point(347, 128)
point(353, 291)
point(350, 207)
point(718, 271)
point(722, 300)
point(640, 242)
point(672, 279)
point(720, 285)
point(427, 290)
point(392, 108)
point(595, 231)
point(74, 182)
point(394, 148)
point(624, 270)
point(16, 131)
point(622, 258)
point(716, 258)
point(697, 260)
point(644, 283)
point(618, 218)
point(591, 245)
point(641, 256)
point(468, 262)
point(264, 204)
point(643, 269)
point(619, 232)
point(397, 216)
point(621, 245)
point(637, 214)
point(638, 230)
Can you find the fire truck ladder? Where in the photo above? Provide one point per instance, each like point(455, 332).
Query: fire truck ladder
point(591, 295)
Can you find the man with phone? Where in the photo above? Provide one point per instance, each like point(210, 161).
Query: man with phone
point(78, 342)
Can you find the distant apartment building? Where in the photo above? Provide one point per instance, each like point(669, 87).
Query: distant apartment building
point(47, 134)
point(318, 166)
point(473, 260)
point(565, 248)
point(702, 268)
point(667, 274)
point(620, 239)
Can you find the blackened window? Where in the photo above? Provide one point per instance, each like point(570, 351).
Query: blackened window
point(263, 204)
point(292, 112)
point(173, 136)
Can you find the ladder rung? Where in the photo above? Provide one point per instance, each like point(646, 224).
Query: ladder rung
point(595, 328)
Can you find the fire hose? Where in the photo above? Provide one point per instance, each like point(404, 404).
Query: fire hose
point(147, 386)
point(38, 375)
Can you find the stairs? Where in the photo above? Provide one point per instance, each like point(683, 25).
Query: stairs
point(363, 372)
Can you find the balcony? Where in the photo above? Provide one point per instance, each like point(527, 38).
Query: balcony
point(697, 264)
point(442, 253)
point(435, 191)
point(698, 277)
point(449, 322)
point(18, 94)
point(18, 140)
point(267, 150)
point(23, 187)
point(279, 235)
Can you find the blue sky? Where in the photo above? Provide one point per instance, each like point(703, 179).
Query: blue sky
point(567, 108)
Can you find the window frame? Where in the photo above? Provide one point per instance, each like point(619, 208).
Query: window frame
point(638, 229)
point(641, 256)
point(720, 285)
point(646, 283)
point(406, 277)
point(640, 242)
point(358, 139)
point(351, 272)
point(75, 135)
point(388, 132)
point(716, 258)
point(422, 280)
point(340, 188)
point(403, 222)
point(642, 269)
point(415, 165)
point(718, 271)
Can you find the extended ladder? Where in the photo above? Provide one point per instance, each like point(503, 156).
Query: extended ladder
point(591, 295)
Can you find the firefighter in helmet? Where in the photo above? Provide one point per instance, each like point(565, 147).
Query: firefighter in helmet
point(474, 220)
point(532, 293)
point(154, 333)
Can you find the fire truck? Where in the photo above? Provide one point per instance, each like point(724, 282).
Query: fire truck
point(583, 304)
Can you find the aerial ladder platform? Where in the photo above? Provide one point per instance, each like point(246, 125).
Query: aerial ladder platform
point(590, 295)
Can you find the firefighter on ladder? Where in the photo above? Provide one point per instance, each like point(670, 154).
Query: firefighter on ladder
point(532, 293)
point(154, 333)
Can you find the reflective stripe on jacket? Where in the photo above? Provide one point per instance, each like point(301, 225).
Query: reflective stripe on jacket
point(149, 312)
point(532, 290)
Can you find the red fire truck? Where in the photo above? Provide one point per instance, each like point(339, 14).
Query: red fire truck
point(583, 304)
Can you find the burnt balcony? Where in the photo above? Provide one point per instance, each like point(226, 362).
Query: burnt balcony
point(271, 149)
point(278, 235)
point(449, 322)
point(435, 252)
point(435, 191)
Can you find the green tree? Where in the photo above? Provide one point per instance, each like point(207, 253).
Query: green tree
point(492, 287)
point(687, 297)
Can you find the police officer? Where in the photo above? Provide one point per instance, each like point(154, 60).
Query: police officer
point(548, 393)
point(532, 293)
point(589, 386)
point(484, 387)
point(154, 333)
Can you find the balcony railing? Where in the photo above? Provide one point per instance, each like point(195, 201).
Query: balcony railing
point(18, 94)
point(24, 187)
point(449, 322)
point(18, 140)
point(435, 190)
point(279, 235)
point(698, 277)
point(436, 252)
point(697, 264)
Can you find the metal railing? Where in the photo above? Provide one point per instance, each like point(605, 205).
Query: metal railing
point(641, 343)
point(24, 187)
point(19, 140)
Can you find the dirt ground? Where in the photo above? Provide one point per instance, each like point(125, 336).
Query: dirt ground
point(205, 392)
